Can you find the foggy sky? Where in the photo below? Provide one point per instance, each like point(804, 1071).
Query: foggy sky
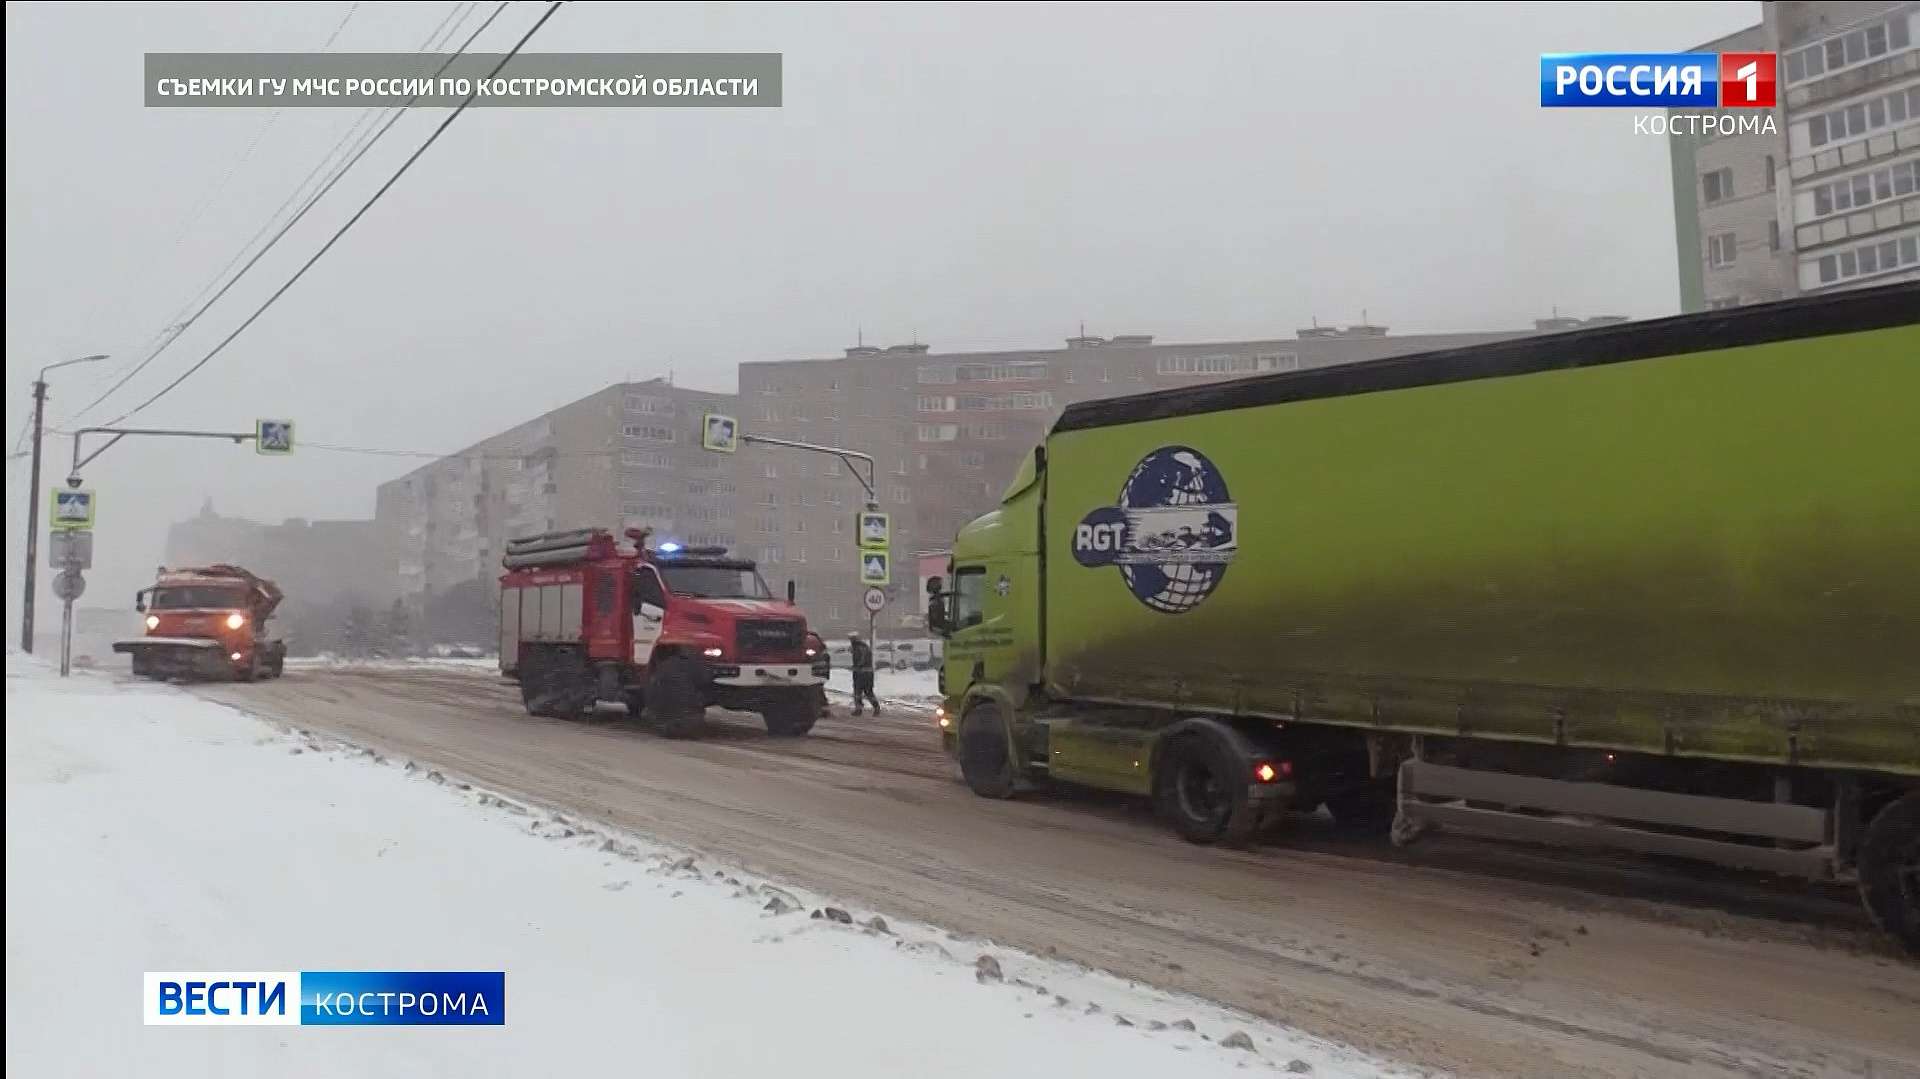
point(978, 177)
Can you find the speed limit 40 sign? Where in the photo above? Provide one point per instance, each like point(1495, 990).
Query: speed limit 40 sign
point(874, 600)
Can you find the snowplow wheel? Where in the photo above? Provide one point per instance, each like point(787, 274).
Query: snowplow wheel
point(791, 718)
point(674, 703)
point(1199, 788)
point(1890, 870)
point(984, 761)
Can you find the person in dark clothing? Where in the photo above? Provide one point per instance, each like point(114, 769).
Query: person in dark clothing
point(862, 665)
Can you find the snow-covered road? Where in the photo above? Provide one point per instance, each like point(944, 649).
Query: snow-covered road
point(150, 830)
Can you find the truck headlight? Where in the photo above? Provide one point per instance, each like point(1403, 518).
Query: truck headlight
point(713, 653)
point(236, 620)
point(153, 622)
point(811, 652)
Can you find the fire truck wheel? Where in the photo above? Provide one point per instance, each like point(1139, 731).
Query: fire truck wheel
point(675, 706)
point(791, 718)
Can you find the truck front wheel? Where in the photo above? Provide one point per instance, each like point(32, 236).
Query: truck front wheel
point(1890, 870)
point(984, 762)
point(1201, 789)
point(792, 716)
point(674, 704)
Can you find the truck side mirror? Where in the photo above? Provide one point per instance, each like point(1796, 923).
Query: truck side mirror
point(651, 613)
point(790, 592)
point(140, 602)
point(937, 614)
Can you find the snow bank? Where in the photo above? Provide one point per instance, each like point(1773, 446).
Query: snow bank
point(150, 830)
point(919, 690)
point(453, 663)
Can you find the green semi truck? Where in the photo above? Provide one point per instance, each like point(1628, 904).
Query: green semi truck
point(1652, 586)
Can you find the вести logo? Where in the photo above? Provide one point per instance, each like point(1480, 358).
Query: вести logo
point(1172, 533)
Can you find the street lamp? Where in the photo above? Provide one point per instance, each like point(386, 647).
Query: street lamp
point(33, 498)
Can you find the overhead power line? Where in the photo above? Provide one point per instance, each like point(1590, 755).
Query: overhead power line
point(176, 327)
point(343, 230)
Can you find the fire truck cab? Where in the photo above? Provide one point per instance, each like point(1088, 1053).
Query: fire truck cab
point(586, 618)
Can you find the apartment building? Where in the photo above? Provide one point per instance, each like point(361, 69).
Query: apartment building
point(947, 431)
point(627, 456)
point(1830, 196)
point(1850, 88)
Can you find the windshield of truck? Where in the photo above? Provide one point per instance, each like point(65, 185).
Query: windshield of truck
point(196, 597)
point(969, 598)
point(715, 582)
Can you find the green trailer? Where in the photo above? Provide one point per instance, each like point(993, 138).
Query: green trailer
point(1653, 586)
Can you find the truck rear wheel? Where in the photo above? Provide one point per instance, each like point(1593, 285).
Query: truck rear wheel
point(1890, 870)
point(791, 717)
point(984, 762)
point(675, 705)
point(1200, 788)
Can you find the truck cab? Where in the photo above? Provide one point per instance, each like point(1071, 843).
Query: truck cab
point(206, 622)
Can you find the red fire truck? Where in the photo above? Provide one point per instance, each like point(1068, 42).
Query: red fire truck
point(585, 618)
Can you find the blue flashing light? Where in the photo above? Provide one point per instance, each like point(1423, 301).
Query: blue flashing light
point(668, 548)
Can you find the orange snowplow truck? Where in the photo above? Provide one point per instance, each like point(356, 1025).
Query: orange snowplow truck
point(207, 622)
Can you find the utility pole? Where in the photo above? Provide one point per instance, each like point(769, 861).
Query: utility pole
point(33, 502)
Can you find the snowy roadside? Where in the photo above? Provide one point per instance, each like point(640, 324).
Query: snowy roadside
point(916, 691)
point(150, 830)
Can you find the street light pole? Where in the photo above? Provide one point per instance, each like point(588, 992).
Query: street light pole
point(33, 501)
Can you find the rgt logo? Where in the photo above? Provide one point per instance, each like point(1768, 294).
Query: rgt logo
point(1678, 80)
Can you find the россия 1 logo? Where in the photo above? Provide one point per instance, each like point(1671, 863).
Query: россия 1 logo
point(1660, 80)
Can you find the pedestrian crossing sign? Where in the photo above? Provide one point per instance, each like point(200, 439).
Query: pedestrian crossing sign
point(72, 510)
point(873, 568)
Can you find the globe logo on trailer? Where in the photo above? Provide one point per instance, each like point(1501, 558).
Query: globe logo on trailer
point(1172, 533)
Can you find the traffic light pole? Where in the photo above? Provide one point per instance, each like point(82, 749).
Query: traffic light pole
point(118, 433)
point(33, 521)
point(849, 457)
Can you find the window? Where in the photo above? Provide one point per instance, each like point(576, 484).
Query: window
point(969, 598)
point(927, 402)
point(805, 498)
point(1720, 249)
point(648, 406)
point(839, 524)
point(770, 555)
point(1227, 363)
point(1773, 235)
point(1718, 184)
point(650, 432)
point(1770, 180)
point(1881, 257)
point(649, 459)
point(899, 495)
point(799, 554)
point(833, 614)
point(936, 432)
point(1018, 371)
point(770, 471)
point(799, 524)
point(903, 468)
point(832, 469)
point(770, 499)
